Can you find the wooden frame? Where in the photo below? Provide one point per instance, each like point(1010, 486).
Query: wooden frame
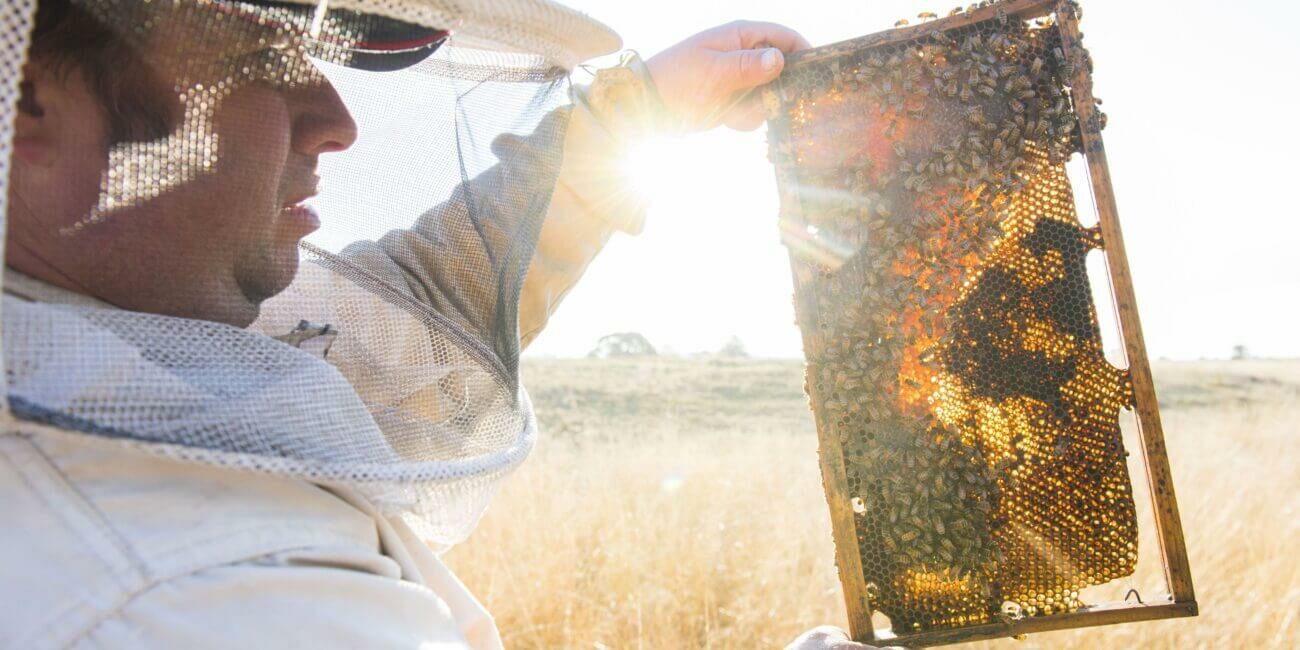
point(1182, 601)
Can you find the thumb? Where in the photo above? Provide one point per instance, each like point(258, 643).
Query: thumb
point(749, 68)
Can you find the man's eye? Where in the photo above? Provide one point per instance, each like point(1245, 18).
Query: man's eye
point(272, 42)
point(285, 42)
point(278, 55)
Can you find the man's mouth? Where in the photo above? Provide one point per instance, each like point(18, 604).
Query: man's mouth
point(300, 216)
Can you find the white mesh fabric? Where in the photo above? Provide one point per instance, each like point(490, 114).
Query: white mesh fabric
point(234, 398)
point(390, 362)
point(15, 30)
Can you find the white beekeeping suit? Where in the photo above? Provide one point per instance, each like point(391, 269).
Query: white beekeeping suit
point(362, 383)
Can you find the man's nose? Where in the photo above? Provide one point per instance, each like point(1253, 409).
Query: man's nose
point(323, 123)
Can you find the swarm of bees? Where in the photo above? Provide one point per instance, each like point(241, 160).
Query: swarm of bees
point(951, 341)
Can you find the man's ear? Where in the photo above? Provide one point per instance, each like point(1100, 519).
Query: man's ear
point(36, 126)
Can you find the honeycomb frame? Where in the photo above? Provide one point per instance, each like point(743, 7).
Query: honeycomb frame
point(939, 453)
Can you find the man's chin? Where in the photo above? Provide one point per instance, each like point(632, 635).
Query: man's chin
point(270, 282)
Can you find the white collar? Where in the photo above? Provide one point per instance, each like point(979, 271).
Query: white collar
point(21, 285)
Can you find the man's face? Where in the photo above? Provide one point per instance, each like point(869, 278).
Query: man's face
point(202, 222)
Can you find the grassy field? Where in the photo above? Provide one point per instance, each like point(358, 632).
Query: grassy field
point(677, 504)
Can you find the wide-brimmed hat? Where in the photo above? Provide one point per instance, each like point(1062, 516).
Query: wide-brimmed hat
point(561, 35)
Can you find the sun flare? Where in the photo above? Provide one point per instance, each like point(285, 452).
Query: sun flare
point(655, 167)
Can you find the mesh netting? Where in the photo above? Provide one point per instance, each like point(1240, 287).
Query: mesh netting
point(15, 30)
point(953, 346)
point(307, 230)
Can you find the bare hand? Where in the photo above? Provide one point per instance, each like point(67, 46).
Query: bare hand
point(829, 637)
point(704, 79)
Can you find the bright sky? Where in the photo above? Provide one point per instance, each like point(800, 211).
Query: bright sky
point(1201, 139)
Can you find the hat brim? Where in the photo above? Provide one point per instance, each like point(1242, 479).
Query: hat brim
point(562, 36)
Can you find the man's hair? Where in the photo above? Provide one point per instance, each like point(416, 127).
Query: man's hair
point(69, 40)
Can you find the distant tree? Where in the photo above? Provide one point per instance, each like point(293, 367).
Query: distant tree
point(1240, 352)
point(734, 348)
point(622, 344)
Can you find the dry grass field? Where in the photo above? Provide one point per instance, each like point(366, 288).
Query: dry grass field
point(678, 504)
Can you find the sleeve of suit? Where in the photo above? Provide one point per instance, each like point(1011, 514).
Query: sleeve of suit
point(499, 256)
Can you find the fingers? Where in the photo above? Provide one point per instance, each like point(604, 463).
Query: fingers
point(763, 55)
point(744, 69)
point(754, 34)
point(704, 79)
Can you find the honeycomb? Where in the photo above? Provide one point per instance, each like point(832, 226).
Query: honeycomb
point(952, 344)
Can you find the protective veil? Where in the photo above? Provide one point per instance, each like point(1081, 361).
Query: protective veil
point(383, 348)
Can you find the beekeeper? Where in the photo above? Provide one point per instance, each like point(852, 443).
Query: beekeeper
point(269, 267)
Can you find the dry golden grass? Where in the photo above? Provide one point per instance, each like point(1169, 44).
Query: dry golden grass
point(678, 504)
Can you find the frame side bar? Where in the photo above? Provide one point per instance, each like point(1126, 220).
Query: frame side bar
point(1168, 523)
point(835, 482)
